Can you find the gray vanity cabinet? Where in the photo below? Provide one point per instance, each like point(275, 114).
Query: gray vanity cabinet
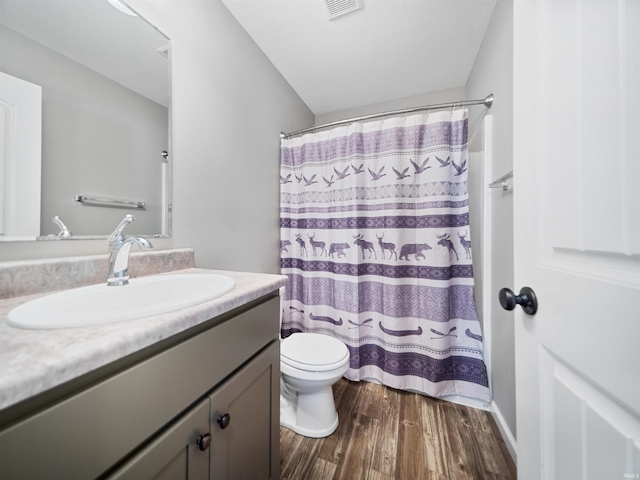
point(237, 420)
point(141, 417)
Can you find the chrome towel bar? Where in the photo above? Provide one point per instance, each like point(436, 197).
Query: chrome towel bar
point(108, 202)
point(503, 181)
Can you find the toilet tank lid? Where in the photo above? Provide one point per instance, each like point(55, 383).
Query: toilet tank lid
point(313, 349)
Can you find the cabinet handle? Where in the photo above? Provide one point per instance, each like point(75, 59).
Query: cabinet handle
point(204, 441)
point(224, 420)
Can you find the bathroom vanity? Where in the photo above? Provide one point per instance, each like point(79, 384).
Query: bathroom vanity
point(189, 394)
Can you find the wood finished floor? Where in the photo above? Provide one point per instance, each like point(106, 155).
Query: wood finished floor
point(388, 434)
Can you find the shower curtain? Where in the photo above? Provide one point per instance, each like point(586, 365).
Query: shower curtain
point(375, 243)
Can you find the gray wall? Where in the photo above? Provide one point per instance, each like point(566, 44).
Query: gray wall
point(439, 96)
point(493, 72)
point(98, 138)
point(229, 106)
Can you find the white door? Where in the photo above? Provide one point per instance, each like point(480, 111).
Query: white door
point(577, 237)
point(20, 153)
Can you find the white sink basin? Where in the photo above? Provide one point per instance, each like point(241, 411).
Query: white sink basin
point(100, 304)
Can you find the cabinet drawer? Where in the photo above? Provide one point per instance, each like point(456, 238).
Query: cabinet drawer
point(85, 435)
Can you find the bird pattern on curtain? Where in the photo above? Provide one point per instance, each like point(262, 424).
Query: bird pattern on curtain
point(375, 243)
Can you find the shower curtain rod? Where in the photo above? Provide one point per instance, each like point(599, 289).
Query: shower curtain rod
point(487, 102)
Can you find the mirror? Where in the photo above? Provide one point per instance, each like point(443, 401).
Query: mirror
point(104, 81)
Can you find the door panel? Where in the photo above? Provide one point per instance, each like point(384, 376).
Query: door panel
point(576, 237)
point(20, 155)
point(174, 454)
point(574, 408)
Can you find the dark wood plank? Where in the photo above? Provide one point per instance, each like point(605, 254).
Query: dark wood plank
point(385, 449)
point(387, 434)
point(411, 445)
point(486, 444)
point(507, 466)
point(297, 460)
point(458, 461)
point(374, 475)
point(357, 458)
point(322, 470)
point(435, 444)
point(476, 465)
point(369, 401)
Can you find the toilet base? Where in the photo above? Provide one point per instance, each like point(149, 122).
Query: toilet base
point(311, 414)
point(290, 424)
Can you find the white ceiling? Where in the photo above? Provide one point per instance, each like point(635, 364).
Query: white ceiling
point(94, 34)
point(388, 49)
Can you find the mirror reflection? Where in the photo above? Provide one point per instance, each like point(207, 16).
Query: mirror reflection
point(96, 84)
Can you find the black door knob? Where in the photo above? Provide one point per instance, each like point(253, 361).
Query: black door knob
point(527, 300)
point(224, 420)
point(204, 441)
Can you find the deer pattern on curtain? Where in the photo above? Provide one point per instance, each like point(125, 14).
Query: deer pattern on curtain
point(375, 243)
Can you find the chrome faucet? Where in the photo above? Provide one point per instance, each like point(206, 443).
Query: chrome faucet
point(119, 247)
point(64, 231)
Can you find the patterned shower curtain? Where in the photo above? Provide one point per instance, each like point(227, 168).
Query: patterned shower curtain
point(376, 245)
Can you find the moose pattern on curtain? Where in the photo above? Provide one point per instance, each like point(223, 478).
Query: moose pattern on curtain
point(375, 243)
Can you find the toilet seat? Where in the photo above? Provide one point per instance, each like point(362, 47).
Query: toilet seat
point(313, 352)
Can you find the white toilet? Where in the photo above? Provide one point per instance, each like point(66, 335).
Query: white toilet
point(310, 364)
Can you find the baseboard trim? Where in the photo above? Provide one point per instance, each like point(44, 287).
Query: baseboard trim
point(505, 431)
point(467, 402)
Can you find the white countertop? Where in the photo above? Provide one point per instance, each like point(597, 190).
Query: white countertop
point(33, 361)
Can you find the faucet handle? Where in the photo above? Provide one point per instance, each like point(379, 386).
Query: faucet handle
point(64, 231)
point(125, 221)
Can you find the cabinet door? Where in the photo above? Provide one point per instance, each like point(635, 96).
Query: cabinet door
point(247, 447)
point(175, 454)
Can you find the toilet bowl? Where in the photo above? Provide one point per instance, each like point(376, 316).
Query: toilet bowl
point(310, 363)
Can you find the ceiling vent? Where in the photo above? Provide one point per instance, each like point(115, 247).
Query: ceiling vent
point(337, 8)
